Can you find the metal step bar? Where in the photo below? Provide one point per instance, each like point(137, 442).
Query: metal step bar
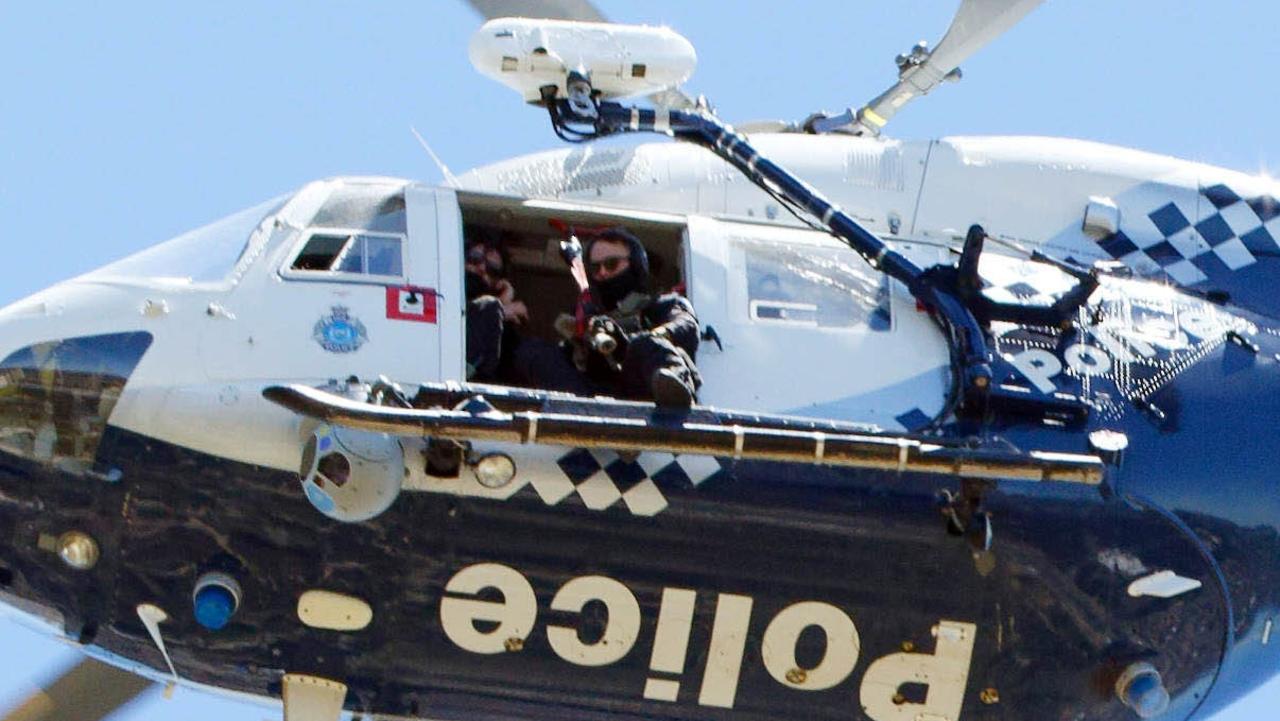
point(659, 431)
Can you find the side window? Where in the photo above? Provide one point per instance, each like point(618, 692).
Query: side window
point(345, 255)
point(813, 286)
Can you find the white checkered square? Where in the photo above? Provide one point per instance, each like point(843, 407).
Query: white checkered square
point(1234, 254)
point(1005, 272)
point(599, 491)
point(1000, 295)
point(644, 499)
point(698, 468)
point(1017, 282)
point(995, 271)
point(654, 462)
point(546, 477)
point(1189, 244)
point(1184, 272)
point(552, 486)
point(1240, 217)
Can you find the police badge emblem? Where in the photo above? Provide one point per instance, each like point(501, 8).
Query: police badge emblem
point(339, 332)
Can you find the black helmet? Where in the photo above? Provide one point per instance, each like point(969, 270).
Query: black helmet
point(636, 280)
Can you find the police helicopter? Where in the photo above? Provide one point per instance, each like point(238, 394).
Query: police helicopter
point(1002, 478)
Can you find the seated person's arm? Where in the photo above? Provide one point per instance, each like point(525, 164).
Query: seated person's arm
point(512, 309)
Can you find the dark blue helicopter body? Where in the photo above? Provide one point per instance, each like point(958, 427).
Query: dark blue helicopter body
point(1041, 571)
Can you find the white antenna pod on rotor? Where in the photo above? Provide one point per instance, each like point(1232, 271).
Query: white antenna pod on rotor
point(621, 61)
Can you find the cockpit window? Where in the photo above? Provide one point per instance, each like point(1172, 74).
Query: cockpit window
point(320, 252)
point(813, 286)
point(340, 254)
point(356, 236)
point(56, 397)
point(203, 255)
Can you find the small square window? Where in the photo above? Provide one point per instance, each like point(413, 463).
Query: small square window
point(383, 256)
point(351, 254)
point(352, 259)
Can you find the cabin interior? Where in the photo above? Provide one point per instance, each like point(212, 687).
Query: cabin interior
point(530, 233)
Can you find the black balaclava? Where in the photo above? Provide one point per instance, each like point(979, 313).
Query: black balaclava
point(607, 294)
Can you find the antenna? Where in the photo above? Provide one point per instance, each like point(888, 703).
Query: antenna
point(449, 179)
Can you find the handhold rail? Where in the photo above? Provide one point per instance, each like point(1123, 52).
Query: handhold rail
point(661, 432)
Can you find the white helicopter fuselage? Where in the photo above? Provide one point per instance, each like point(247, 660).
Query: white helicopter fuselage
point(1035, 191)
point(221, 337)
point(222, 330)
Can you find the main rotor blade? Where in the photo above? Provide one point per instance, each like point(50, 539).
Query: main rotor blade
point(976, 24)
point(550, 9)
point(90, 691)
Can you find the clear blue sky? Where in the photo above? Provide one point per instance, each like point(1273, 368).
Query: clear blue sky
point(123, 124)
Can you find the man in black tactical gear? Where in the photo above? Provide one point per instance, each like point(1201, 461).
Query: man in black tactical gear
point(637, 342)
point(621, 340)
point(492, 310)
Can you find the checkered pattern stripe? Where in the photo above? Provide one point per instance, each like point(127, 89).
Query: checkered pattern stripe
point(1009, 280)
point(1232, 237)
point(601, 479)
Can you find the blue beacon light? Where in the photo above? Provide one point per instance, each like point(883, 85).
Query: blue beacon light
point(1142, 690)
point(216, 599)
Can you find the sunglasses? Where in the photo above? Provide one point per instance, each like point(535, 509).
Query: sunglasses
point(610, 264)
